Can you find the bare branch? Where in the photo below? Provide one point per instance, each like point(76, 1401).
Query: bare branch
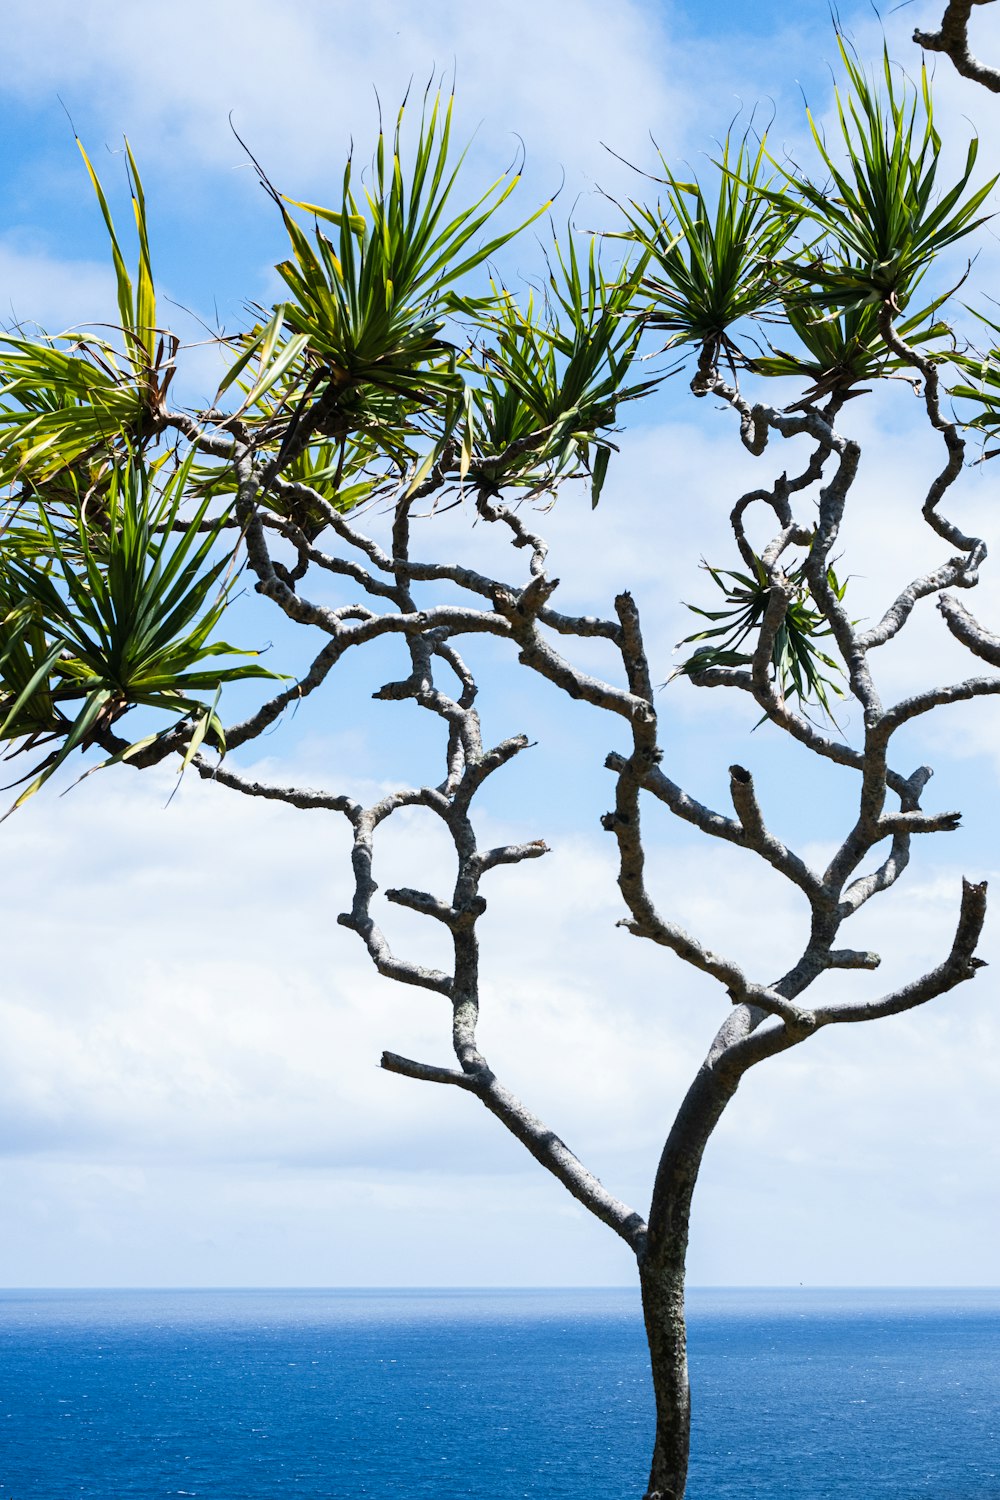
point(965, 628)
point(441, 911)
point(388, 965)
point(682, 803)
point(961, 964)
point(302, 797)
point(952, 574)
point(255, 725)
point(922, 703)
point(553, 1154)
point(758, 838)
point(952, 38)
point(544, 1145)
point(973, 547)
point(294, 489)
point(217, 443)
point(492, 510)
point(427, 1072)
point(859, 841)
point(344, 567)
point(509, 854)
point(547, 662)
point(852, 958)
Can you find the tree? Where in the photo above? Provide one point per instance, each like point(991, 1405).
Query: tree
point(387, 378)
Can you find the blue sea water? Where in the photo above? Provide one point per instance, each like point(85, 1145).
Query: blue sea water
point(332, 1395)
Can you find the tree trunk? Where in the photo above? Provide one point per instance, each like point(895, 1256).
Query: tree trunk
point(663, 1309)
point(662, 1271)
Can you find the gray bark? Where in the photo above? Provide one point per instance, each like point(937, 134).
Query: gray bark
point(662, 1271)
point(952, 38)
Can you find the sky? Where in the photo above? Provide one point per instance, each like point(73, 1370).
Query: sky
point(189, 1089)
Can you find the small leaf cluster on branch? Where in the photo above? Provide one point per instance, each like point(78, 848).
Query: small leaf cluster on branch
point(386, 381)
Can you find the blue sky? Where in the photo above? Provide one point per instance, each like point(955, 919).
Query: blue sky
point(188, 1081)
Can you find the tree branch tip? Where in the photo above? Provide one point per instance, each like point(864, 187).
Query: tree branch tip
point(741, 775)
point(392, 1062)
point(852, 958)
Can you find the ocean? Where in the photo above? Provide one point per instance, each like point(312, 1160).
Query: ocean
point(333, 1395)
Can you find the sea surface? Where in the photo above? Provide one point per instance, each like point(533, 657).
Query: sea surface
point(332, 1395)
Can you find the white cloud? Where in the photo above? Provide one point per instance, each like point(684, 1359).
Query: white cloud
point(203, 1026)
point(299, 81)
point(54, 293)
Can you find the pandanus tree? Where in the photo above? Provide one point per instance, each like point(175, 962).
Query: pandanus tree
point(400, 373)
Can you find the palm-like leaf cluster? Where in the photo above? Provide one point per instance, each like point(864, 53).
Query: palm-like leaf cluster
point(880, 217)
point(114, 563)
point(839, 351)
point(798, 664)
point(119, 615)
point(372, 305)
point(980, 385)
point(552, 378)
point(66, 402)
point(712, 267)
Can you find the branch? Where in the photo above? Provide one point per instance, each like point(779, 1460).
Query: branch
point(427, 1072)
point(922, 703)
point(302, 797)
point(965, 628)
point(492, 510)
point(312, 554)
point(253, 726)
point(544, 1145)
point(852, 958)
point(952, 38)
point(854, 849)
point(961, 964)
point(547, 662)
point(953, 574)
point(763, 842)
point(681, 803)
point(442, 911)
point(215, 443)
point(647, 923)
point(779, 713)
point(508, 854)
point(973, 547)
point(387, 964)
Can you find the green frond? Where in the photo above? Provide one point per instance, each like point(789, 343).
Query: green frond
point(799, 666)
point(712, 264)
point(880, 215)
point(371, 303)
point(552, 378)
point(114, 614)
